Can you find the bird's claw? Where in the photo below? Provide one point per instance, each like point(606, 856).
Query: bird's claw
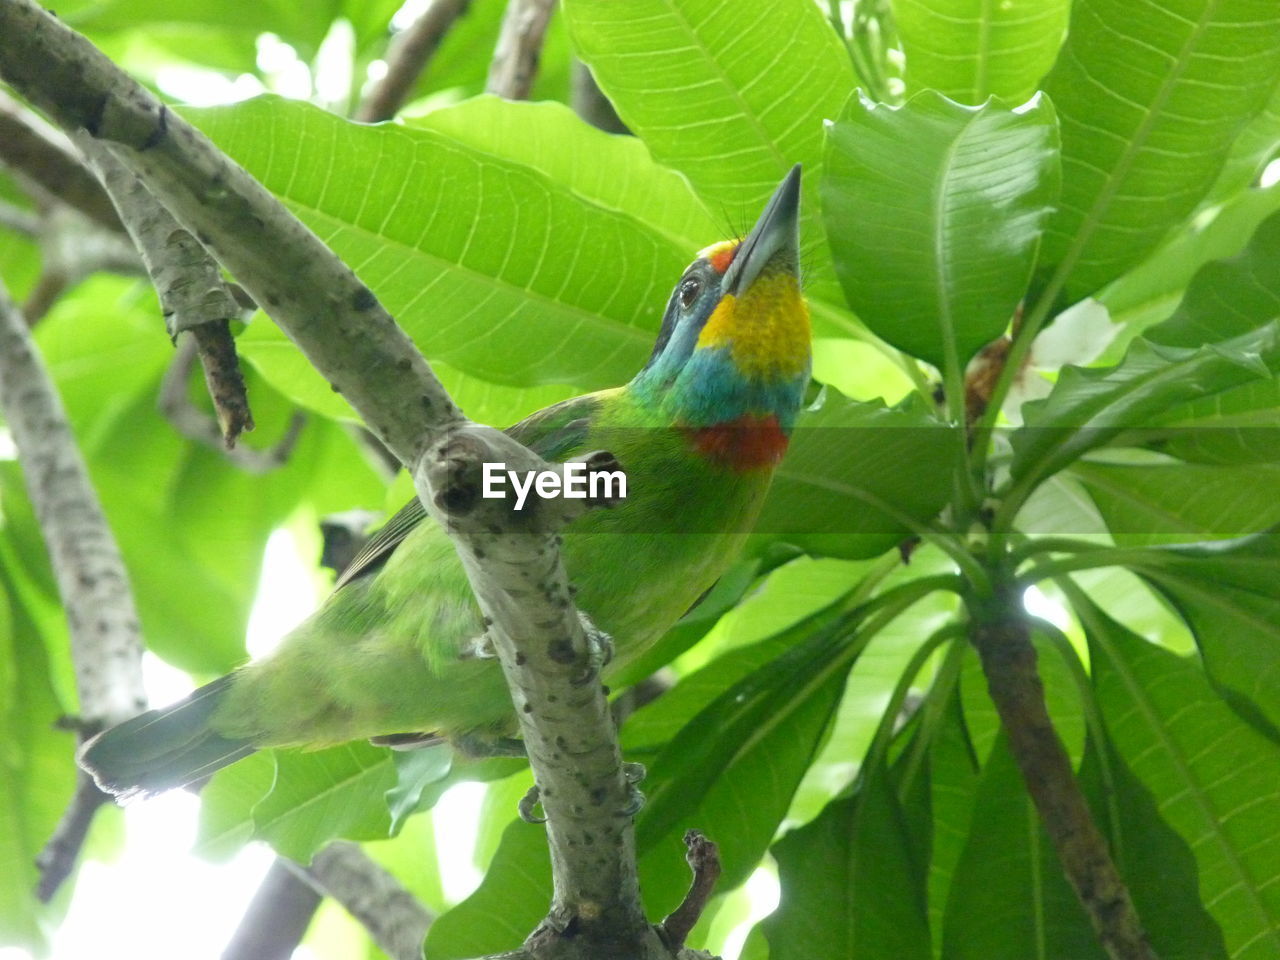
point(479, 648)
point(599, 649)
point(633, 773)
point(527, 805)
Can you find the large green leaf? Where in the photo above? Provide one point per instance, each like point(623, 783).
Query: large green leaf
point(1150, 98)
point(859, 476)
point(320, 795)
point(488, 262)
point(973, 49)
point(1181, 502)
point(850, 887)
point(1252, 151)
point(1229, 297)
point(227, 802)
point(731, 95)
point(756, 739)
point(953, 786)
point(934, 212)
point(1152, 291)
point(1227, 593)
point(1156, 864)
point(1216, 781)
point(1089, 407)
point(1239, 426)
point(1008, 898)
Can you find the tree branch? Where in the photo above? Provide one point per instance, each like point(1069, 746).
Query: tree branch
point(1001, 633)
point(515, 58)
point(395, 919)
point(29, 151)
point(105, 644)
point(73, 248)
point(277, 918)
point(590, 103)
point(511, 559)
point(193, 296)
point(407, 57)
point(195, 424)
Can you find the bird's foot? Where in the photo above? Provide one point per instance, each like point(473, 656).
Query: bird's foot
point(633, 773)
point(479, 648)
point(599, 650)
point(528, 803)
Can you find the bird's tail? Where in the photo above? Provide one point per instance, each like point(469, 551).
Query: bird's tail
point(162, 749)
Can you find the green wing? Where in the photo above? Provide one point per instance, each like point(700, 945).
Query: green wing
point(553, 433)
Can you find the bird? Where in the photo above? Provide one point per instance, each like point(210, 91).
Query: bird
point(390, 655)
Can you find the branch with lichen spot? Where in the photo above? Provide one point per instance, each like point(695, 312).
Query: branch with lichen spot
point(519, 48)
point(408, 55)
point(512, 559)
point(106, 645)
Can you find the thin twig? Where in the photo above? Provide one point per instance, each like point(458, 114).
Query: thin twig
point(407, 58)
point(194, 424)
point(1001, 632)
point(516, 56)
point(106, 646)
point(277, 918)
point(704, 860)
point(396, 920)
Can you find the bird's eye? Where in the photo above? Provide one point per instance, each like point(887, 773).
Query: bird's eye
point(689, 291)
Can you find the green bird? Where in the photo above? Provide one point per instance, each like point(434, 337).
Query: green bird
point(699, 431)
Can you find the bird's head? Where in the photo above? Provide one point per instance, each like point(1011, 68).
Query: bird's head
point(732, 358)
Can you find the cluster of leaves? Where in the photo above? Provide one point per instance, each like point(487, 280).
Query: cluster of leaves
point(828, 713)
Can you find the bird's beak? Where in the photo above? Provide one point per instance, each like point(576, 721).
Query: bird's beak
point(775, 239)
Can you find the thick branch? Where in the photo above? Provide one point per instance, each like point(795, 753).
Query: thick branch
point(515, 58)
point(407, 58)
point(277, 918)
point(39, 160)
point(105, 644)
point(395, 919)
point(1002, 636)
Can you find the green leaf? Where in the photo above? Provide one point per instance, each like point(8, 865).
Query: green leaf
point(970, 50)
point(506, 907)
point(1214, 777)
point(731, 95)
point(323, 794)
point(1238, 426)
point(227, 802)
point(1252, 151)
point(756, 739)
point(1182, 502)
point(1152, 291)
point(1157, 865)
point(415, 771)
point(490, 264)
point(1229, 297)
point(850, 887)
point(1008, 898)
point(1089, 407)
point(1227, 594)
point(1150, 99)
point(934, 212)
point(953, 785)
point(858, 477)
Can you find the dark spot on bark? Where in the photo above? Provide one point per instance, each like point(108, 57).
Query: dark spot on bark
point(561, 650)
point(93, 119)
point(335, 388)
point(487, 622)
point(560, 741)
point(521, 659)
point(528, 708)
point(458, 498)
point(159, 131)
point(599, 795)
point(364, 300)
point(572, 928)
point(588, 838)
point(404, 363)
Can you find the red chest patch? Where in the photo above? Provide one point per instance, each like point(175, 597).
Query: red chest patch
point(747, 443)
